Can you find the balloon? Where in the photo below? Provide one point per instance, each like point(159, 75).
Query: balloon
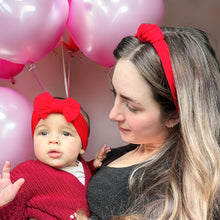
point(8, 69)
point(16, 142)
point(30, 29)
point(97, 26)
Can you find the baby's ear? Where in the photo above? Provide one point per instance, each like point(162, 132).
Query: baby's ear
point(173, 120)
point(82, 151)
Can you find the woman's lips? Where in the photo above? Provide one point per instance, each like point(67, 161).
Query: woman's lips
point(123, 129)
point(54, 154)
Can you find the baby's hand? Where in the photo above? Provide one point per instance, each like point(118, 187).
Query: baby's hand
point(100, 156)
point(8, 190)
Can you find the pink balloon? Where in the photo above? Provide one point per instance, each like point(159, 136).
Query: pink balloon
point(8, 69)
point(16, 142)
point(30, 29)
point(97, 26)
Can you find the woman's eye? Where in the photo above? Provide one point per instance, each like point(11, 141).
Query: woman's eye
point(132, 109)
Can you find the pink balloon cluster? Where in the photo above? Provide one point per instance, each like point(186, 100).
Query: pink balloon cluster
point(16, 142)
point(97, 26)
point(30, 29)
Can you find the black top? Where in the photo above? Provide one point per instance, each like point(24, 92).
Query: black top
point(108, 189)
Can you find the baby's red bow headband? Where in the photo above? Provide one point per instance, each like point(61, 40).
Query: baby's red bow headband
point(152, 33)
point(45, 104)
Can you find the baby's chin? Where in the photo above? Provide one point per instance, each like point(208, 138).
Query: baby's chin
point(54, 164)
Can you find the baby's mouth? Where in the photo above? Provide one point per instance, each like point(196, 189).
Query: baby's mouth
point(54, 154)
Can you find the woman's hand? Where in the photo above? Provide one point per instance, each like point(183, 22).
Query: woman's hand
point(8, 190)
point(100, 156)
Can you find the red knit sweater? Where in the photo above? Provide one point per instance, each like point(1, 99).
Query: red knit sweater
point(47, 193)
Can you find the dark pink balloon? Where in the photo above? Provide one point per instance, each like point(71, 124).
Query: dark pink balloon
point(30, 29)
point(8, 69)
point(97, 26)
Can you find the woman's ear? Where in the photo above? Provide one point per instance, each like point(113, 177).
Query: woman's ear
point(173, 120)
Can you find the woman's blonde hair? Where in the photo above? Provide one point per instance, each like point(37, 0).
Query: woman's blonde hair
point(183, 180)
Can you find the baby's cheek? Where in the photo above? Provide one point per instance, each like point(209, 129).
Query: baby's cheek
point(38, 149)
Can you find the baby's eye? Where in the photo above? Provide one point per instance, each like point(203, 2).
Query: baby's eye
point(43, 133)
point(66, 133)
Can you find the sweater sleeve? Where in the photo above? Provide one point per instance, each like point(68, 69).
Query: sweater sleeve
point(13, 210)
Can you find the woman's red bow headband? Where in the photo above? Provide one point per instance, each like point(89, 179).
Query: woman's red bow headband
point(152, 33)
point(45, 104)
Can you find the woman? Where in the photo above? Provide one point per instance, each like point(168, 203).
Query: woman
point(167, 102)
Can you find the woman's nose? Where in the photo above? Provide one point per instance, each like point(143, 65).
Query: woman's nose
point(116, 113)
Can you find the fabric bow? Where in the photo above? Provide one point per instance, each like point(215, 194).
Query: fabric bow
point(149, 33)
point(45, 104)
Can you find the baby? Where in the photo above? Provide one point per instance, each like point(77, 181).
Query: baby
point(55, 185)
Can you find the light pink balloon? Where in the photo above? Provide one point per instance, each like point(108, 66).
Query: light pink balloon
point(30, 29)
point(8, 69)
point(97, 26)
point(16, 142)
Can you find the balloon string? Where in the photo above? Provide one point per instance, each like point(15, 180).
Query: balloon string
point(32, 67)
point(64, 70)
point(69, 75)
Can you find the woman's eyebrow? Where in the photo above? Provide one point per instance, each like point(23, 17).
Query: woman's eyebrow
point(125, 97)
point(129, 99)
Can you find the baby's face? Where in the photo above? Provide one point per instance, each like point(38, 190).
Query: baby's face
point(56, 142)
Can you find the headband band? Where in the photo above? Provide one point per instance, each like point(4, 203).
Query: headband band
point(45, 104)
point(152, 33)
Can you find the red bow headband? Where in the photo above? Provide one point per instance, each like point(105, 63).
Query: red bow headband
point(152, 33)
point(45, 104)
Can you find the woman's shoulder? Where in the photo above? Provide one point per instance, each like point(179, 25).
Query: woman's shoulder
point(118, 152)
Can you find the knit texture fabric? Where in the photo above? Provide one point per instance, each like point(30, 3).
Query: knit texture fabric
point(47, 193)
